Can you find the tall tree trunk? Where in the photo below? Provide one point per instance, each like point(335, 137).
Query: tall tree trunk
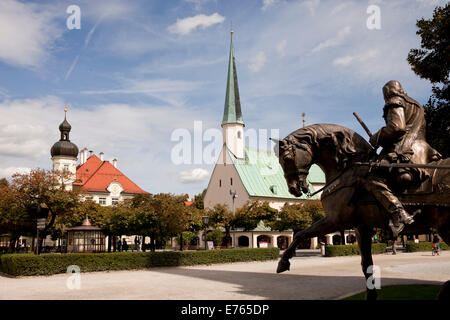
point(227, 237)
point(143, 244)
point(41, 241)
point(12, 245)
point(181, 241)
point(342, 237)
point(152, 244)
point(114, 243)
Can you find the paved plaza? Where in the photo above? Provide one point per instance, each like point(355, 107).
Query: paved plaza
point(311, 277)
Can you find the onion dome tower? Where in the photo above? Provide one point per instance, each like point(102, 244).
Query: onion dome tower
point(64, 153)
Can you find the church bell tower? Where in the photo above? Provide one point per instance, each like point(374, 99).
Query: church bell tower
point(232, 122)
point(64, 153)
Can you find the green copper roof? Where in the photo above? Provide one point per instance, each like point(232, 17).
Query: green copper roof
point(232, 110)
point(262, 175)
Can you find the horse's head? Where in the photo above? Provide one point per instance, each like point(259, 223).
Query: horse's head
point(332, 147)
point(295, 159)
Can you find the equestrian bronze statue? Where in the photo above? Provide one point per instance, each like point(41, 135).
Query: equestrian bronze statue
point(404, 188)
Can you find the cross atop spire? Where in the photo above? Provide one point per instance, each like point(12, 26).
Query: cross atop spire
point(232, 110)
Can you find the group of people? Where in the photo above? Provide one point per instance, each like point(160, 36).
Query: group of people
point(122, 244)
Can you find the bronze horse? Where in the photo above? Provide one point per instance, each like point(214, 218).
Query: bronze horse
point(335, 149)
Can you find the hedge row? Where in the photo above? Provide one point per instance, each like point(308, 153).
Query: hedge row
point(424, 246)
point(349, 250)
point(30, 265)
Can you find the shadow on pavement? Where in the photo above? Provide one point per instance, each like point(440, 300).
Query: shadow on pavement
point(286, 286)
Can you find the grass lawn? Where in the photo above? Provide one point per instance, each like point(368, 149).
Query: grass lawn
point(403, 292)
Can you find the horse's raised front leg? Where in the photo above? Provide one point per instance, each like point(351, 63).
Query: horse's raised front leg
point(321, 227)
point(364, 237)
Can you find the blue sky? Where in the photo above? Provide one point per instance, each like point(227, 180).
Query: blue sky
point(138, 70)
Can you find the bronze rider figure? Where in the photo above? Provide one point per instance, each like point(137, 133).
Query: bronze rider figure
point(402, 141)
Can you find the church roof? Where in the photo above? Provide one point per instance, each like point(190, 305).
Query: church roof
point(262, 175)
point(232, 111)
point(96, 175)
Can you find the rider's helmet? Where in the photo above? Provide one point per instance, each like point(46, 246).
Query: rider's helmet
point(393, 88)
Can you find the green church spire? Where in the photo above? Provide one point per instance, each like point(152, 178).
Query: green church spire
point(232, 111)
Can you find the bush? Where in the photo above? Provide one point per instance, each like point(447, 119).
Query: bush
point(424, 246)
point(187, 238)
point(215, 236)
point(349, 250)
point(30, 265)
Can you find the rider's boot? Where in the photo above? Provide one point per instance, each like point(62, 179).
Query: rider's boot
point(398, 220)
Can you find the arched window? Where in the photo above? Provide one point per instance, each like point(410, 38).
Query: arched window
point(220, 183)
point(239, 135)
point(231, 181)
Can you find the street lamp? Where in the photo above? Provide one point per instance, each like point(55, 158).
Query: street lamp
point(234, 196)
point(205, 220)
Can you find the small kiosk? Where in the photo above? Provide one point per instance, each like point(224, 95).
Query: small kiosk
point(85, 238)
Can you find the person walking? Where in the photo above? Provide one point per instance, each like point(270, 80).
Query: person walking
point(119, 245)
point(435, 244)
point(125, 244)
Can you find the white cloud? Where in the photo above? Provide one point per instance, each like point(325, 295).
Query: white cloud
point(194, 176)
point(268, 3)
point(257, 62)
point(8, 172)
point(138, 135)
point(24, 133)
point(170, 91)
point(187, 25)
point(332, 42)
point(72, 66)
point(347, 60)
point(27, 33)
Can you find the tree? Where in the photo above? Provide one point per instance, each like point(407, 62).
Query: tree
point(198, 200)
point(14, 218)
point(160, 216)
point(29, 191)
point(297, 216)
point(432, 62)
point(249, 215)
point(4, 182)
point(221, 216)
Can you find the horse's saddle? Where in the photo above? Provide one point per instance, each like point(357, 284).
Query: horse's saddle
point(433, 191)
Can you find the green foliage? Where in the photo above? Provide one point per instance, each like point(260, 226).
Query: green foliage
point(423, 246)
point(215, 236)
point(3, 182)
point(432, 62)
point(198, 200)
point(349, 250)
point(249, 215)
point(437, 116)
point(30, 265)
point(187, 237)
point(297, 216)
point(20, 200)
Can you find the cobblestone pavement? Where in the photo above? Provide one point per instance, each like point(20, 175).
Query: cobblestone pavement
point(311, 277)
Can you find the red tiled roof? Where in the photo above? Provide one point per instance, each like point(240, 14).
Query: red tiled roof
point(189, 202)
point(96, 175)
